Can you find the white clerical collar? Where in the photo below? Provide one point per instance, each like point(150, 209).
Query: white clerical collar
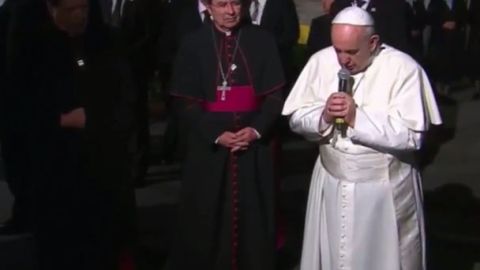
point(223, 32)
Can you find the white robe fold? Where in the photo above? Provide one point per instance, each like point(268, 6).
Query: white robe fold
point(364, 209)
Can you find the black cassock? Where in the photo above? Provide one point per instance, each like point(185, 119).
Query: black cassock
point(226, 214)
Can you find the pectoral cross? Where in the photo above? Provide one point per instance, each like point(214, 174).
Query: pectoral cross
point(223, 88)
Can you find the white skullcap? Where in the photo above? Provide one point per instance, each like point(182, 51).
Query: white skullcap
point(354, 16)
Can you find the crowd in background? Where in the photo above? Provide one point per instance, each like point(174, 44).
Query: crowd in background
point(442, 35)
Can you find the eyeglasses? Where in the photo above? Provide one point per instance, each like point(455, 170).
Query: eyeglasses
point(224, 4)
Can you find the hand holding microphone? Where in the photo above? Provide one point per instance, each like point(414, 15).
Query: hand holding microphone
point(340, 107)
point(343, 83)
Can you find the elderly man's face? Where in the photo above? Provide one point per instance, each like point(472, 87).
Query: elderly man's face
point(354, 46)
point(70, 16)
point(226, 13)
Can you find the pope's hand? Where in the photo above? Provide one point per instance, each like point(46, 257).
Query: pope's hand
point(340, 105)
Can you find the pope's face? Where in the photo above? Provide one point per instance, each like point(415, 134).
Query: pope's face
point(354, 46)
point(70, 16)
point(226, 13)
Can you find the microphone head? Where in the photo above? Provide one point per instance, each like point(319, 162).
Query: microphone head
point(344, 74)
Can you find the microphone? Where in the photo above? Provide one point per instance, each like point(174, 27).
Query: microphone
point(343, 86)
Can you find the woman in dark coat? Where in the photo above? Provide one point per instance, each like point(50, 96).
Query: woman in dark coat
point(71, 97)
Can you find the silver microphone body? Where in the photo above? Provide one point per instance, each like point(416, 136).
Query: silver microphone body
point(344, 85)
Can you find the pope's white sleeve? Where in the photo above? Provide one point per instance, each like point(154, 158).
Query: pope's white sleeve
point(378, 129)
point(308, 123)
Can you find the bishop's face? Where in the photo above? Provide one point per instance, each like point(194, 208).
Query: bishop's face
point(226, 14)
point(70, 16)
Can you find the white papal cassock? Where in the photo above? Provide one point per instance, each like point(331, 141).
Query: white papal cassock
point(365, 203)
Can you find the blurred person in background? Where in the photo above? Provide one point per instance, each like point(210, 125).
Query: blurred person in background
point(319, 36)
point(137, 24)
point(446, 52)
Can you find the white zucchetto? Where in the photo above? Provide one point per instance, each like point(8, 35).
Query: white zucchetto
point(354, 16)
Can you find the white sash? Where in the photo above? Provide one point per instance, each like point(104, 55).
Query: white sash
point(365, 167)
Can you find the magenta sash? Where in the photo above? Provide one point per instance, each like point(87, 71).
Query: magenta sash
point(237, 99)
